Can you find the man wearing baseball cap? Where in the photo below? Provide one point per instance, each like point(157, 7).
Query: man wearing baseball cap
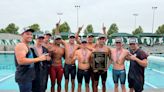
point(138, 62)
point(70, 67)
point(83, 55)
point(40, 82)
point(56, 69)
point(101, 47)
point(24, 61)
point(118, 57)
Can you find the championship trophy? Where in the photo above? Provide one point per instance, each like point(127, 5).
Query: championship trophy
point(99, 60)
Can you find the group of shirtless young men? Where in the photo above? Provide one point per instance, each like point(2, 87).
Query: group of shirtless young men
point(82, 52)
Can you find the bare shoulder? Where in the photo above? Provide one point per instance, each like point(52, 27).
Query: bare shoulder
point(126, 51)
point(20, 47)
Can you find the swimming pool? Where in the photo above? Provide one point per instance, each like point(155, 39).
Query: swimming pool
point(154, 74)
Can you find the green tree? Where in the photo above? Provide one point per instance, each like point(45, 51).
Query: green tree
point(137, 31)
point(11, 28)
point(64, 27)
point(113, 29)
point(160, 29)
point(2, 30)
point(35, 27)
point(89, 29)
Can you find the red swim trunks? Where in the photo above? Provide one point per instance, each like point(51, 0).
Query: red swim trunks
point(56, 72)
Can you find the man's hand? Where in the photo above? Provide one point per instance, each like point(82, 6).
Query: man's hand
point(95, 70)
point(104, 29)
point(80, 28)
point(44, 57)
point(132, 57)
point(58, 24)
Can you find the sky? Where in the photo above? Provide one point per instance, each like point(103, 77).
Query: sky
point(96, 12)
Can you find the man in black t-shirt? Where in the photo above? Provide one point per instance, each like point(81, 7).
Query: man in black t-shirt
point(138, 62)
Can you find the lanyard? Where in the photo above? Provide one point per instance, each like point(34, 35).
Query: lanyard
point(84, 53)
point(118, 54)
point(71, 49)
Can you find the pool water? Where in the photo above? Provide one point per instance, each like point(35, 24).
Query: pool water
point(154, 74)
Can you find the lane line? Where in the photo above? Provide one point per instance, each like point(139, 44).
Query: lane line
point(155, 70)
point(151, 85)
point(7, 77)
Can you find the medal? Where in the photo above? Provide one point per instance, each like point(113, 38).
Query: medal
point(84, 53)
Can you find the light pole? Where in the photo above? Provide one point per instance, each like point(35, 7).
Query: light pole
point(135, 19)
point(59, 14)
point(154, 8)
point(77, 7)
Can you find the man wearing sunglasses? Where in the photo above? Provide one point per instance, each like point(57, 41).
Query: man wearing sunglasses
point(56, 69)
point(83, 55)
point(138, 62)
point(40, 82)
point(118, 56)
point(69, 67)
point(101, 47)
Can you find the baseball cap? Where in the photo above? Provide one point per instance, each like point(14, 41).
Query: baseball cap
point(40, 36)
point(48, 34)
point(133, 40)
point(71, 35)
point(90, 34)
point(57, 37)
point(102, 36)
point(83, 40)
point(27, 29)
point(118, 39)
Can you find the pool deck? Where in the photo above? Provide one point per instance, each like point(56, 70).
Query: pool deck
point(148, 90)
point(10, 52)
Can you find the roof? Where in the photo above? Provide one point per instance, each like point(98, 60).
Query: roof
point(121, 35)
point(149, 35)
point(95, 34)
point(37, 32)
point(65, 33)
point(9, 36)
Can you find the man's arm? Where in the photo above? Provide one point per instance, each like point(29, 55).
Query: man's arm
point(74, 57)
point(109, 58)
point(77, 35)
point(21, 51)
point(104, 29)
point(143, 62)
point(57, 28)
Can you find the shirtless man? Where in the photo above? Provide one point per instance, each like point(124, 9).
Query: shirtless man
point(69, 67)
point(118, 56)
point(83, 55)
point(56, 69)
point(24, 61)
point(100, 47)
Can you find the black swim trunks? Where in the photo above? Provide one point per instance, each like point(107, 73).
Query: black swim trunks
point(69, 69)
point(83, 73)
point(101, 73)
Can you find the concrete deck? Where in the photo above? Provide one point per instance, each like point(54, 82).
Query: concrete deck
point(147, 90)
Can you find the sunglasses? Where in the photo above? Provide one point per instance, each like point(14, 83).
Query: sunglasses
point(84, 42)
point(132, 44)
point(118, 42)
point(90, 36)
point(58, 39)
point(72, 37)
